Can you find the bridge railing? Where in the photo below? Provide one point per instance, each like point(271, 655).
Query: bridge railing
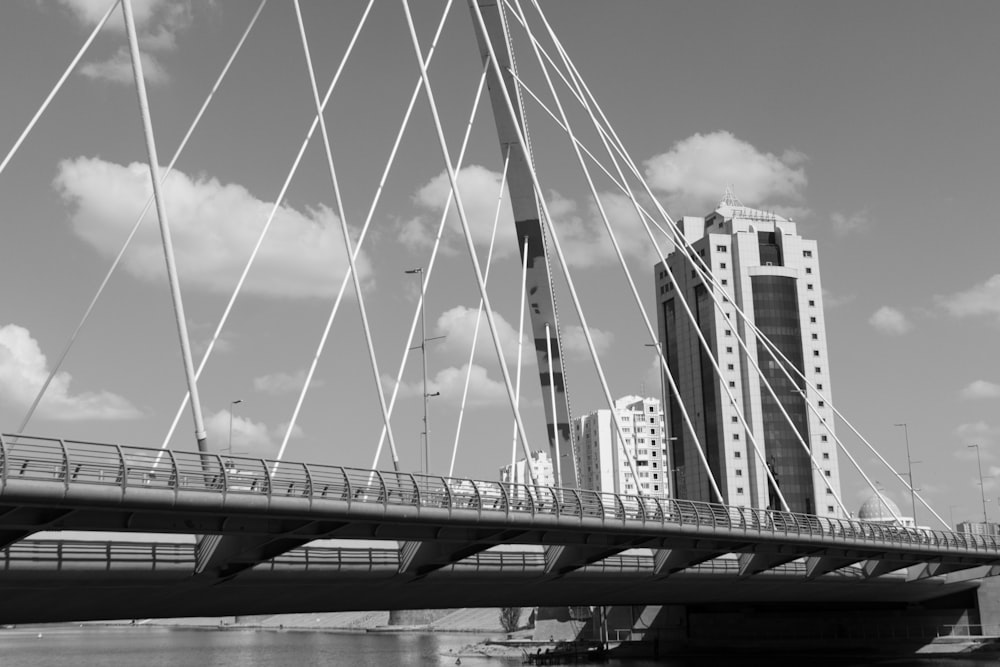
point(75, 463)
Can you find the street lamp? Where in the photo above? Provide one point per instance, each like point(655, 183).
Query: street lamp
point(232, 408)
point(982, 489)
point(423, 356)
point(909, 468)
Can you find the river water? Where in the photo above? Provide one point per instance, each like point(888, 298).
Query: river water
point(166, 647)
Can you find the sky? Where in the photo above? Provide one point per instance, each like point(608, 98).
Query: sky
point(871, 124)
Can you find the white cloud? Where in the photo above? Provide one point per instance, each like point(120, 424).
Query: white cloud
point(844, 224)
point(214, 228)
point(450, 382)
point(981, 389)
point(250, 438)
point(458, 325)
point(118, 69)
point(283, 383)
point(575, 343)
point(983, 299)
point(158, 23)
point(479, 188)
point(890, 321)
point(582, 234)
point(695, 172)
point(23, 369)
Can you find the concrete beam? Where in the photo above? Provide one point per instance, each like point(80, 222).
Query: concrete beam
point(668, 561)
point(817, 566)
point(228, 555)
point(877, 567)
point(563, 558)
point(757, 562)
point(421, 558)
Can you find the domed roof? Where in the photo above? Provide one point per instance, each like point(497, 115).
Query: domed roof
point(879, 509)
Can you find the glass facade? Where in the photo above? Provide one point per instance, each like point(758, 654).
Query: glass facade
point(776, 313)
point(714, 452)
point(770, 251)
point(677, 477)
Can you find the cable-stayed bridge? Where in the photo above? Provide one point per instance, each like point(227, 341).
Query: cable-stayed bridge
point(254, 518)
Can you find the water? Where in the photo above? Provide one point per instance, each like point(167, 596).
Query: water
point(165, 647)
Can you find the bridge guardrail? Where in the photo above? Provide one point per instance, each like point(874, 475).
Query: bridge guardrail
point(77, 463)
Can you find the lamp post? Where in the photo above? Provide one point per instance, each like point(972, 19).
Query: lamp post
point(909, 469)
point(982, 489)
point(232, 408)
point(419, 271)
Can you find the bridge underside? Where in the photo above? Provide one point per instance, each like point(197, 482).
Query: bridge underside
point(50, 581)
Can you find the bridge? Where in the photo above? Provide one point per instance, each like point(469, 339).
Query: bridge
point(266, 512)
point(255, 527)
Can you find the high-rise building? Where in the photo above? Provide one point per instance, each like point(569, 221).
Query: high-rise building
point(602, 463)
point(541, 466)
point(772, 274)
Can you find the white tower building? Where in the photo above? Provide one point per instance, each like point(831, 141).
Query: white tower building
point(772, 274)
point(602, 464)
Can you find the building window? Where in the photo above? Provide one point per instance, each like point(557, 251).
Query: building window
point(737, 454)
point(730, 367)
point(829, 491)
point(692, 273)
point(725, 282)
point(822, 438)
point(812, 302)
point(739, 472)
point(736, 436)
point(812, 320)
point(807, 253)
point(809, 269)
point(732, 384)
point(826, 456)
point(829, 508)
point(729, 350)
point(815, 336)
point(739, 490)
point(656, 487)
point(729, 332)
point(735, 419)
point(722, 265)
point(821, 403)
point(720, 248)
point(826, 472)
point(809, 286)
point(818, 369)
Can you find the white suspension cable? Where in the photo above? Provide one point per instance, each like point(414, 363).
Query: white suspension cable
point(161, 213)
point(135, 227)
point(267, 225)
point(453, 179)
point(432, 261)
point(346, 232)
point(479, 315)
point(520, 348)
point(614, 241)
point(539, 192)
point(59, 84)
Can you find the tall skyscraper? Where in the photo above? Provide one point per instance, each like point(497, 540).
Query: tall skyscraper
point(602, 463)
point(772, 274)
